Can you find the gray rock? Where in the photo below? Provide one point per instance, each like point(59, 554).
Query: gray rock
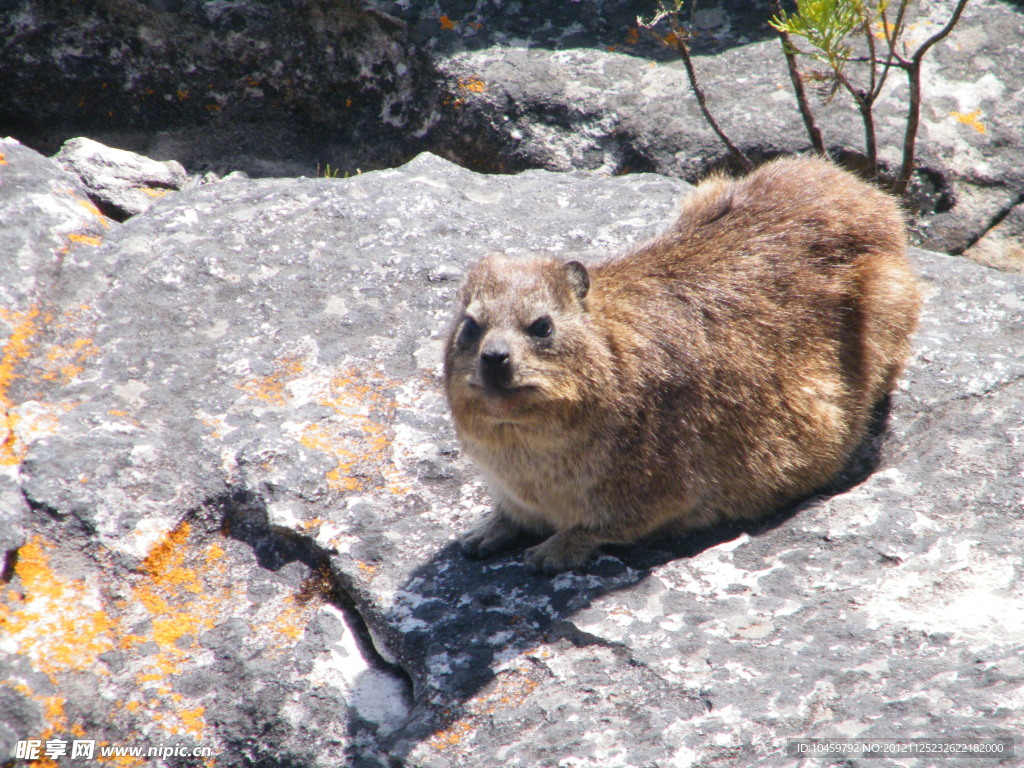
point(290, 89)
point(514, 104)
point(121, 183)
point(258, 483)
point(216, 85)
point(1002, 247)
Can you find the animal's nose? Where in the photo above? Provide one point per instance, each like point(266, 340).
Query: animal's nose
point(495, 364)
point(494, 358)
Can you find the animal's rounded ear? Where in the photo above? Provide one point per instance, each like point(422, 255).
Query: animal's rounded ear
point(578, 278)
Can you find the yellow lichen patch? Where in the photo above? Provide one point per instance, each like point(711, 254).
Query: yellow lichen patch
point(150, 192)
point(57, 623)
point(91, 208)
point(16, 350)
point(473, 84)
point(214, 554)
point(367, 569)
point(270, 388)
point(357, 437)
point(883, 29)
point(3, 160)
point(21, 423)
point(65, 363)
point(193, 721)
point(85, 239)
point(452, 735)
point(182, 589)
point(291, 621)
point(358, 440)
point(334, 441)
point(508, 690)
point(972, 119)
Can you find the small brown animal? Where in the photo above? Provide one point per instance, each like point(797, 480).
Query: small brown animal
point(723, 369)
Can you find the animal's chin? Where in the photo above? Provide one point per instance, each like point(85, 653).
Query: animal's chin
point(511, 404)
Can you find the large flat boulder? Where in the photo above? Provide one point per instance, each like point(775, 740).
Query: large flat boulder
point(239, 524)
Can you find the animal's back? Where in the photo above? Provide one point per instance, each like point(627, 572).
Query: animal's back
point(765, 324)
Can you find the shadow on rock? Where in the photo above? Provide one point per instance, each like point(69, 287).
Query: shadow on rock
point(467, 625)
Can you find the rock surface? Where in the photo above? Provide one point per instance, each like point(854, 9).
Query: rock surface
point(619, 108)
point(1002, 247)
point(119, 182)
point(253, 86)
point(238, 510)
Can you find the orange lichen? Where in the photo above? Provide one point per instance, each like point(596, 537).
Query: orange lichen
point(150, 192)
point(214, 553)
point(884, 29)
point(291, 622)
point(16, 350)
point(452, 735)
point(972, 119)
point(55, 624)
point(193, 721)
point(360, 443)
point(632, 36)
point(64, 363)
point(61, 625)
point(367, 569)
point(357, 437)
point(91, 208)
point(20, 423)
point(473, 84)
point(447, 24)
point(18, 344)
point(3, 160)
point(270, 388)
point(74, 237)
point(508, 690)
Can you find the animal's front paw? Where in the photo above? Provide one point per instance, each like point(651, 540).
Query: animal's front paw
point(492, 535)
point(561, 552)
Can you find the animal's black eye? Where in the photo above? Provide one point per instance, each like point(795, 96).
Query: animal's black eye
point(471, 331)
point(540, 328)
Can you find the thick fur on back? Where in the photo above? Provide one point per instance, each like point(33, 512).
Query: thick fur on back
point(719, 371)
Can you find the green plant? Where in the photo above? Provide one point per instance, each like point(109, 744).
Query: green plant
point(328, 172)
point(832, 29)
point(841, 36)
point(334, 173)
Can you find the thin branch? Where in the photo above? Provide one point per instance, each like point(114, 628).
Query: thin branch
point(735, 151)
point(914, 116)
point(919, 54)
point(873, 69)
point(865, 105)
point(677, 41)
point(788, 49)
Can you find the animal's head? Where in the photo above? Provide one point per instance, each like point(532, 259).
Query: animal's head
point(520, 341)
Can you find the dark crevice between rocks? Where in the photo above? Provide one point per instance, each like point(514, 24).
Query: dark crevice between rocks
point(73, 523)
point(994, 222)
point(9, 564)
point(245, 519)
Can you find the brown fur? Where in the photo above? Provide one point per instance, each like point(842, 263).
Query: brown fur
point(717, 372)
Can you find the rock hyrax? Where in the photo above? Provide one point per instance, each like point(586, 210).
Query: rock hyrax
point(719, 371)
